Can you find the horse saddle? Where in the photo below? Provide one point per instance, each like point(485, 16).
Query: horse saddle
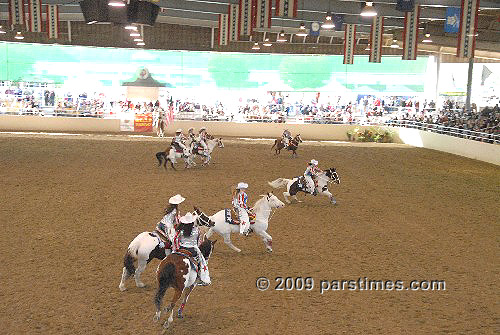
point(163, 240)
point(177, 147)
point(234, 220)
point(197, 148)
point(187, 253)
point(301, 182)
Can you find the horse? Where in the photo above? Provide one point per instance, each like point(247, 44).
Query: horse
point(293, 146)
point(293, 185)
point(172, 156)
point(197, 149)
point(160, 128)
point(178, 271)
point(144, 248)
point(224, 225)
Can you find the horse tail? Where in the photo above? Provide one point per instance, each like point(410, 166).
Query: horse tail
point(159, 157)
point(280, 182)
point(165, 278)
point(128, 262)
point(275, 141)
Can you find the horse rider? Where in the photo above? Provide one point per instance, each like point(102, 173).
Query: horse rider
point(312, 171)
point(240, 199)
point(170, 219)
point(192, 136)
point(178, 141)
point(202, 138)
point(188, 238)
point(286, 137)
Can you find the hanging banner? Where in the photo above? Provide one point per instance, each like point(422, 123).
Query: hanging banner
point(223, 29)
point(452, 22)
point(376, 40)
point(263, 14)
point(16, 12)
point(468, 28)
point(410, 34)
point(35, 16)
point(246, 16)
point(286, 8)
point(53, 21)
point(143, 122)
point(234, 12)
point(349, 43)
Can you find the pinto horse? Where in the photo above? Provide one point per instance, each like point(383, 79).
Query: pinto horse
point(293, 146)
point(178, 271)
point(293, 187)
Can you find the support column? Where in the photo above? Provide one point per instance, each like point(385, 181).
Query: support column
point(469, 84)
point(212, 38)
point(69, 31)
point(438, 68)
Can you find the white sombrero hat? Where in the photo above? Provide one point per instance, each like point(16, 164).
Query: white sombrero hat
point(314, 162)
point(190, 129)
point(179, 130)
point(187, 218)
point(176, 199)
point(241, 185)
point(203, 128)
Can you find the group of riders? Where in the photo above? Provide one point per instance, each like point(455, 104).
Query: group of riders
point(196, 141)
point(183, 233)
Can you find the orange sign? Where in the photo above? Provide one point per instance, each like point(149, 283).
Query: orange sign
point(143, 123)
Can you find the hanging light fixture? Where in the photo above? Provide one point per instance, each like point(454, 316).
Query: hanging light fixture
point(368, 10)
point(134, 34)
point(281, 37)
point(328, 24)
point(256, 46)
point(141, 43)
point(367, 47)
point(2, 31)
point(19, 36)
point(302, 30)
point(138, 39)
point(395, 44)
point(131, 27)
point(116, 3)
point(427, 35)
point(267, 43)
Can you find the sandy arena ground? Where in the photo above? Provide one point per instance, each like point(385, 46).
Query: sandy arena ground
point(72, 204)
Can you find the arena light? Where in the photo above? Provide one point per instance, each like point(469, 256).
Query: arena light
point(19, 36)
point(367, 47)
point(267, 43)
point(116, 3)
point(138, 40)
point(141, 43)
point(368, 10)
point(256, 46)
point(427, 38)
point(2, 31)
point(134, 34)
point(395, 44)
point(302, 30)
point(328, 24)
point(130, 27)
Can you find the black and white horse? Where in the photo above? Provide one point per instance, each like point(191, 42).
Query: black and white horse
point(298, 184)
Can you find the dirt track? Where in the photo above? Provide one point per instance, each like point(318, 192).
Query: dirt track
point(71, 205)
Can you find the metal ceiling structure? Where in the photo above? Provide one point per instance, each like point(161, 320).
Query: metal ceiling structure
point(205, 13)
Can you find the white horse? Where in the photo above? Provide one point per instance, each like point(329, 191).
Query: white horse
point(143, 249)
point(211, 144)
point(293, 185)
point(262, 209)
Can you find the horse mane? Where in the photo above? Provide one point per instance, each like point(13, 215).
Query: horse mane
point(258, 203)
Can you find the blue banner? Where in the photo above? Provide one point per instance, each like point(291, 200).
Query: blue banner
point(452, 22)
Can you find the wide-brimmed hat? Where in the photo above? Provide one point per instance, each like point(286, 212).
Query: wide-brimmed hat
point(187, 218)
point(179, 130)
point(241, 185)
point(190, 129)
point(176, 199)
point(314, 162)
point(202, 129)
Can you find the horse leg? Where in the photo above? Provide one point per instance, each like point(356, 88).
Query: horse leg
point(184, 301)
point(125, 276)
point(170, 308)
point(286, 195)
point(227, 240)
point(330, 196)
point(268, 240)
point(141, 266)
point(209, 233)
point(296, 199)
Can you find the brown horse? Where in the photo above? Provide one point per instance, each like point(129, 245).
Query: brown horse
point(294, 144)
point(178, 270)
point(160, 128)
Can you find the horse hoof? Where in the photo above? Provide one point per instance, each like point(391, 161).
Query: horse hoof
point(156, 318)
point(122, 287)
point(140, 285)
point(166, 325)
point(269, 250)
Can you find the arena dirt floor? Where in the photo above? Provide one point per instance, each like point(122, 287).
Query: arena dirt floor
point(72, 204)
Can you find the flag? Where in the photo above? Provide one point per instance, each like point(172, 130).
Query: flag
point(233, 22)
point(16, 12)
point(35, 16)
point(410, 34)
point(53, 21)
point(468, 28)
point(263, 14)
point(170, 114)
point(376, 39)
point(452, 21)
point(486, 73)
point(286, 8)
point(246, 17)
point(223, 29)
point(349, 43)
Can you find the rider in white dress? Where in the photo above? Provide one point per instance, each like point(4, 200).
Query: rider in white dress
point(286, 137)
point(188, 239)
point(311, 172)
point(202, 138)
point(171, 218)
point(240, 206)
point(179, 140)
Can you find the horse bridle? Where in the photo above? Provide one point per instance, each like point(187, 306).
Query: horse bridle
point(204, 220)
